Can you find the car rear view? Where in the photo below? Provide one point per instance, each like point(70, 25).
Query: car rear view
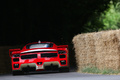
point(39, 56)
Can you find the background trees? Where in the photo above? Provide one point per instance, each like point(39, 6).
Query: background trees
point(108, 19)
point(54, 20)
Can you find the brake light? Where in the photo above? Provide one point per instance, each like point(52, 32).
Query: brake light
point(61, 52)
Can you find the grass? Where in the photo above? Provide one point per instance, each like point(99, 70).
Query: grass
point(95, 70)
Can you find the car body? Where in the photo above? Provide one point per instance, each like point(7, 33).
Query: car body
point(39, 56)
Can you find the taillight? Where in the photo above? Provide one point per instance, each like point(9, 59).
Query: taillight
point(16, 65)
point(16, 55)
point(63, 62)
point(62, 56)
point(61, 52)
point(16, 59)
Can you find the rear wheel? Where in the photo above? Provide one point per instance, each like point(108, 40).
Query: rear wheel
point(64, 69)
point(17, 73)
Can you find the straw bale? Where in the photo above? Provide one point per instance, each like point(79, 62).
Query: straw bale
point(86, 50)
point(101, 49)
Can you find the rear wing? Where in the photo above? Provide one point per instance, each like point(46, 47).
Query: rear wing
point(62, 46)
point(11, 50)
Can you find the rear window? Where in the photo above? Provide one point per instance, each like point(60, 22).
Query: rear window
point(39, 45)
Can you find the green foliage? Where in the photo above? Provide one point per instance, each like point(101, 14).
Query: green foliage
point(95, 70)
point(49, 20)
point(109, 19)
point(89, 69)
point(110, 71)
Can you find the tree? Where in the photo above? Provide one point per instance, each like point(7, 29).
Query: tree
point(49, 20)
point(109, 19)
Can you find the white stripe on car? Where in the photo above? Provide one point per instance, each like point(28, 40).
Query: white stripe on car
point(38, 50)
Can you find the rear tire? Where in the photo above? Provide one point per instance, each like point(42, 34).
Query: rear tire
point(65, 69)
point(17, 73)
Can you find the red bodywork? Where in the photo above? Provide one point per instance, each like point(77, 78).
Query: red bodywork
point(39, 58)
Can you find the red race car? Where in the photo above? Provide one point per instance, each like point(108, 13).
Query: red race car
point(39, 56)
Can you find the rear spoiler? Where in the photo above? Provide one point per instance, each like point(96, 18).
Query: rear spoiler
point(11, 50)
point(62, 46)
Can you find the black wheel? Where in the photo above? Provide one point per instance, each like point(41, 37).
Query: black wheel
point(17, 73)
point(64, 69)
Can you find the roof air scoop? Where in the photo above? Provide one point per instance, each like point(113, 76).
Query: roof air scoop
point(39, 41)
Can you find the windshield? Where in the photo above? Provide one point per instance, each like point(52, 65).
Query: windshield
point(39, 45)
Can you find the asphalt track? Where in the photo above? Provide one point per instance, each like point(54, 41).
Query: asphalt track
point(59, 76)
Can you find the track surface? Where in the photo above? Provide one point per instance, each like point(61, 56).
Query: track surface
point(59, 76)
